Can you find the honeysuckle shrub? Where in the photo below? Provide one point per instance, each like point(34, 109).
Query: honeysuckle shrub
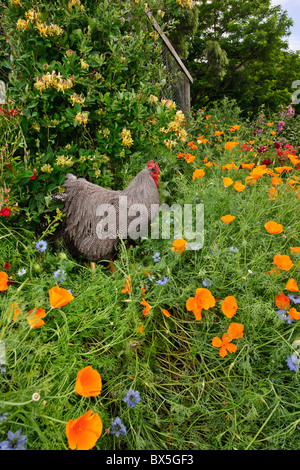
point(88, 80)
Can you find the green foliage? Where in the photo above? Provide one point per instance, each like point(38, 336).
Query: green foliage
point(250, 61)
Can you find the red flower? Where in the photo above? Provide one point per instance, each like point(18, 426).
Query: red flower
point(5, 212)
point(6, 266)
point(33, 176)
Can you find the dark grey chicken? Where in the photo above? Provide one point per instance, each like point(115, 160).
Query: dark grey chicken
point(87, 206)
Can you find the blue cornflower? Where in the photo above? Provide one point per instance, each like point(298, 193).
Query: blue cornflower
point(15, 441)
point(215, 250)
point(293, 362)
point(60, 275)
point(21, 272)
point(41, 246)
point(3, 416)
point(294, 299)
point(117, 427)
point(2, 366)
point(282, 314)
point(132, 398)
point(156, 257)
point(163, 281)
point(207, 282)
point(233, 250)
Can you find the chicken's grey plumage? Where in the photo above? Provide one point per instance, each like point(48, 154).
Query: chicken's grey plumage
point(82, 199)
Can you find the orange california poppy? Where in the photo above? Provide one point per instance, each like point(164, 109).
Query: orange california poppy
point(229, 306)
point(15, 309)
point(228, 218)
point(292, 285)
point(294, 159)
point(270, 123)
point(218, 133)
point(141, 329)
point(282, 301)
point(88, 382)
point(179, 245)
point(224, 344)
point(192, 145)
point(235, 330)
point(198, 173)
point(283, 262)
point(276, 181)
point(273, 193)
point(239, 187)
point(249, 166)
point(59, 297)
point(147, 307)
point(273, 227)
point(294, 315)
point(127, 287)
point(227, 182)
point(35, 319)
point(165, 312)
point(189, 158)
point(202, 300)
point(3, 281)
point(230, 145)
point(281, 169)
point(258, 172)
point(83, 432)
point(295, 249)
point(180, 155)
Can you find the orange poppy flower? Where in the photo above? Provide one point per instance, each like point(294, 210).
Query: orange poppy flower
point(59, 297)
point(273, 193)
point(224, 344)
point(180, 155)
point(239, 187)
point(273, 227)
point(283, 262)
point(227, 182)
point(189, 158)
point(218, 133)
point(83, 432)
point(270, 124)
point(127, 287)
point(228, 218)
point(294, 315)
point(230, 145)
point(88, 382)
point(198, 174)
point(235, 330)
point(229, 306)
point(202, 300)
point(147, 307)
point(3, 281)
point(141, 329)
point(292, 285)
point(249, 166)
point(281, 169)
point(179, 245)
point(282, 301)
point(15, 309)
point(35, 319)
point(276, 181)
point(258, 172)
point(165, 312)
point(192, 145)
point(295, 249)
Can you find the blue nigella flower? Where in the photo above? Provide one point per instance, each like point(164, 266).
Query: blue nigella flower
point(117, 427)
point(206, 282)
point(156, 257)
point(132, 398)
point(293, 362)
point(15, 441)
point(233, 249)
point(294, 299)
point(3, 416)
point(163, 281)
point(60, 275)
point(21, 272)
point(41, 246)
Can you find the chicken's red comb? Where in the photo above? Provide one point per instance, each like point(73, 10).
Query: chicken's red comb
point(153, 164)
